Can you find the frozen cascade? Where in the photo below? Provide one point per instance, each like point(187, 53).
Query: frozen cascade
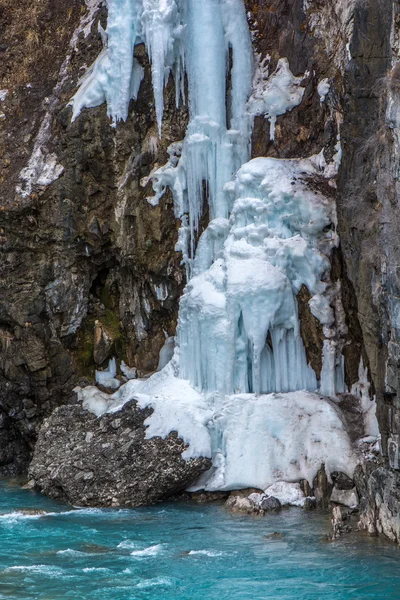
point(217, 142)
point(238, 326)
point(238, 388)
point(115, 76)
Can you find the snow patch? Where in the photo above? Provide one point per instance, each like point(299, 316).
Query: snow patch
point(107, 378)
point(323, 88)
point(275, 95)
point(288, 494)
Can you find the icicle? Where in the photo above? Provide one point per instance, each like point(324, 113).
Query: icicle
point(114, 77)
point(162, 30)
point(238, 325)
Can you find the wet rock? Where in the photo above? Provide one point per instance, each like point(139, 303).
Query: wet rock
point(206, 497)
point(347, 498)
point(322, 488)
point(270, 504)
point(339, 525)
point(310, 503)
point(275, 535)
point(102, 343)
point(113, 466)
point(342, 481)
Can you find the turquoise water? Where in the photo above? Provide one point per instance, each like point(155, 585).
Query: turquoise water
point(183, 552)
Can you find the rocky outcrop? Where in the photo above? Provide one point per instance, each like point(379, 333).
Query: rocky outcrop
point(378, 488)
point(107, 461)
point(88, 267)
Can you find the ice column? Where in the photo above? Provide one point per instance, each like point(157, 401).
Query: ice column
point(115, 75)
point(217, 140)
point(238, 327)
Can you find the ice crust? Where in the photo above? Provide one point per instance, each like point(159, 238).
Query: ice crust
point(254, 441)
point(238, 388)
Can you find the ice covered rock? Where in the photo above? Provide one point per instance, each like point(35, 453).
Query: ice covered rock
point(88, 460)
point(107, 378)
point(287, 494)
point(129, 372)
point(253, 441)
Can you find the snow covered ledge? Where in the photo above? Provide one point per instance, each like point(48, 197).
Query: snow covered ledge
point(253, 441)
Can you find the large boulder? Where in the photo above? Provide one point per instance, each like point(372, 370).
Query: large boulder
point(107, 461)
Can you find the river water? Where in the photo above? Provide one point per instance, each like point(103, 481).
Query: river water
point(183, 551)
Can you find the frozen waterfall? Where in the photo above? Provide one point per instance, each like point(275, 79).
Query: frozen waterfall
point(239, 387)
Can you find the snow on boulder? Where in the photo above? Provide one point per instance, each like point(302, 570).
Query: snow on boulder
point(88, 460)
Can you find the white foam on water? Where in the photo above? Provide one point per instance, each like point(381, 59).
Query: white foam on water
point(209, 553)
point(46, 570)
point(156, 582)
point(150, 551)
point(71, 552)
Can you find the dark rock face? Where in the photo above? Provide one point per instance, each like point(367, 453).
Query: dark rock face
point(88, 247)
point(379, 491)
point(106, 461)
point(367, 211)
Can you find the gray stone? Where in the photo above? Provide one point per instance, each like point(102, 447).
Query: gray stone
point(115, 465)
point(342, 481)
point(310, 503)
point(270, 504)
point(347, 498)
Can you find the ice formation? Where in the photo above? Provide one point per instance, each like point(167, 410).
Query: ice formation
point(254, 441)
point(238, 388)
point(107, 378)
point(273, 96)
point(323, 88)
point(128, 372)
point(238, 327)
